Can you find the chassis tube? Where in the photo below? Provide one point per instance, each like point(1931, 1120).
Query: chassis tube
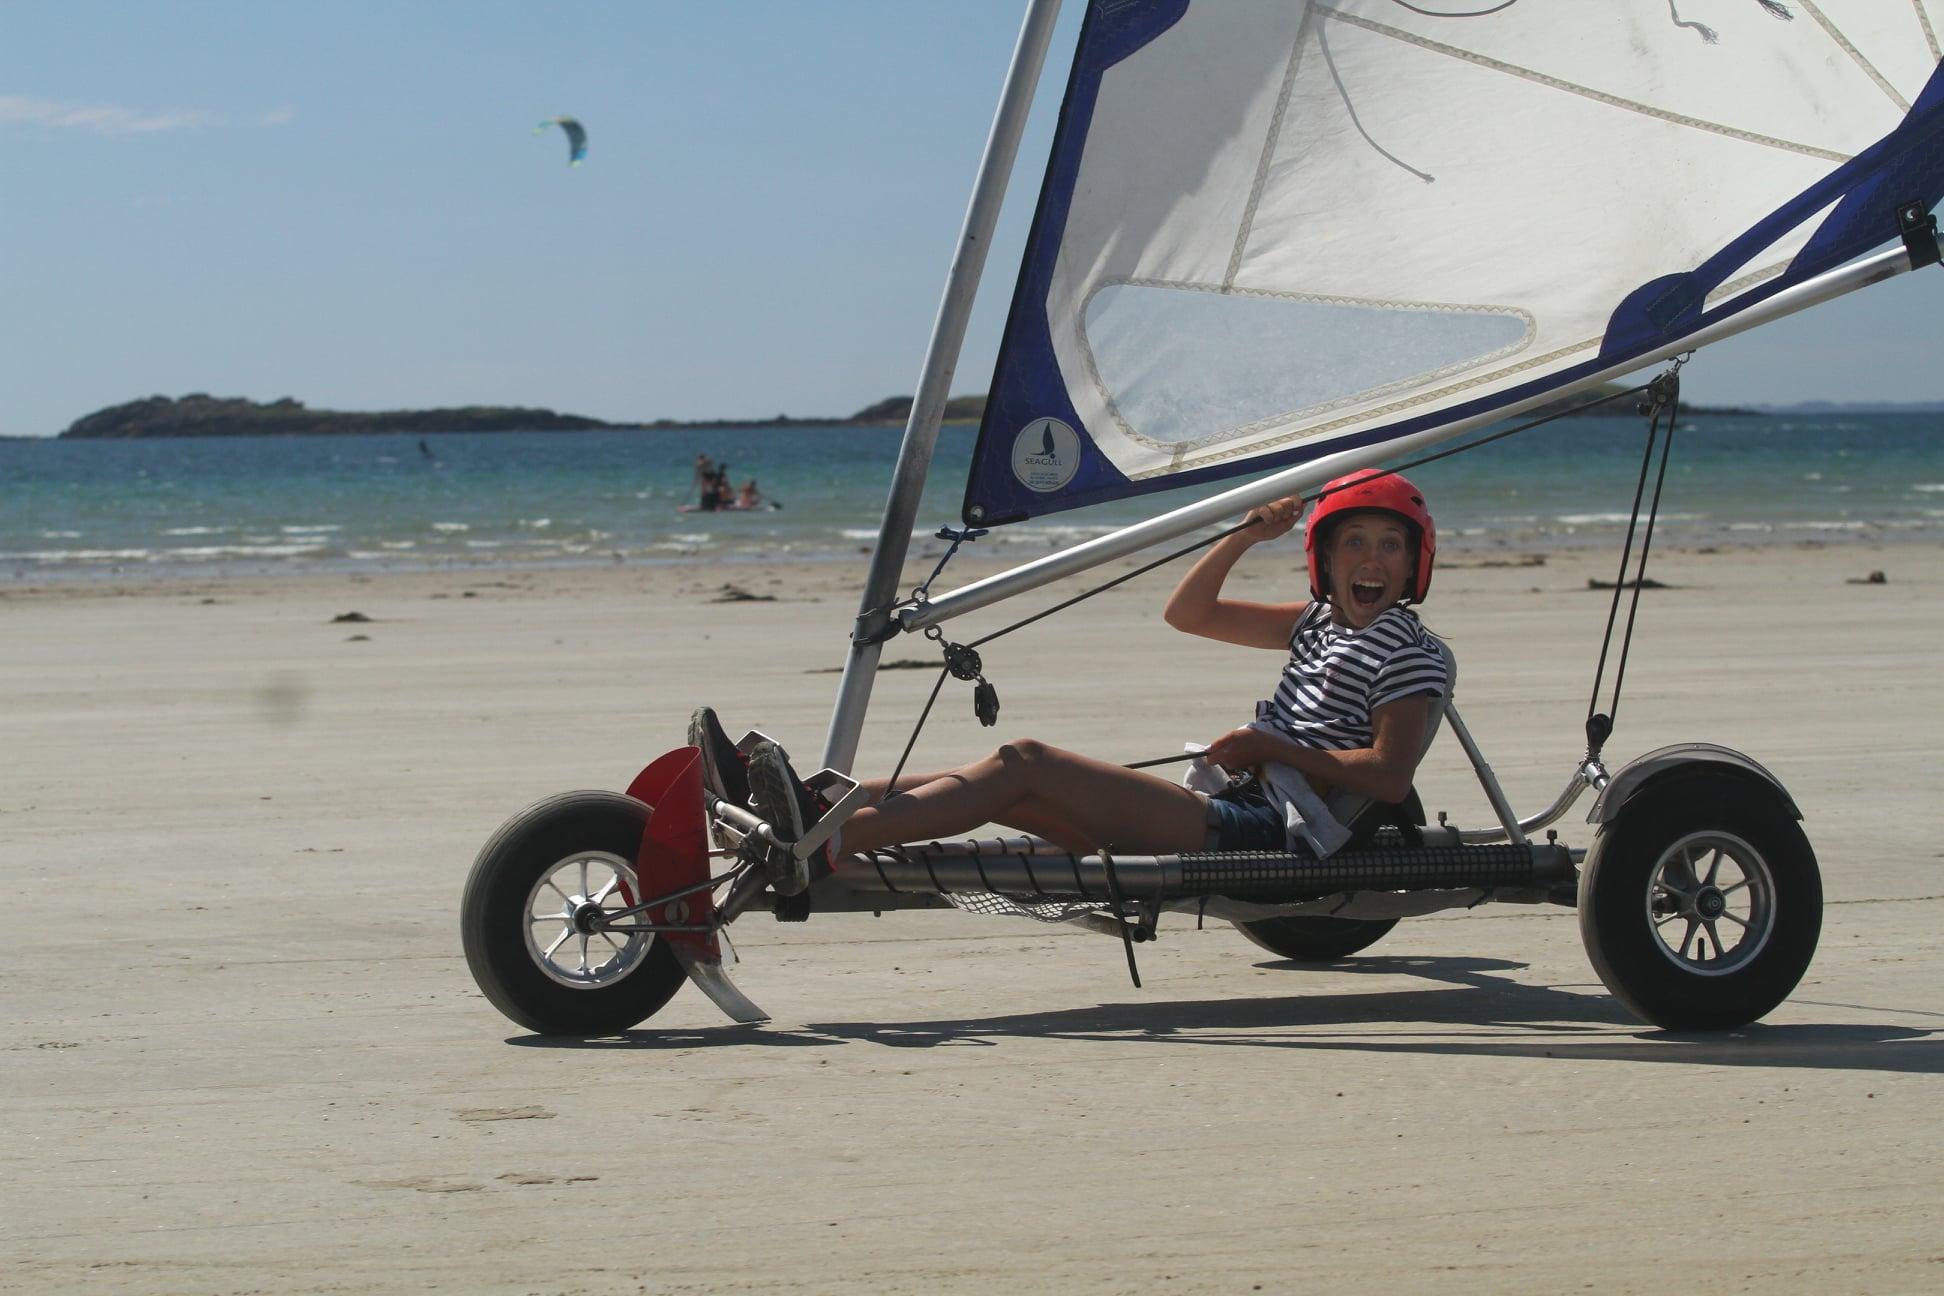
point(940, 870)
point(1590, 774)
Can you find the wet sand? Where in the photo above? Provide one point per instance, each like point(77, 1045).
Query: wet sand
point(244, 1052)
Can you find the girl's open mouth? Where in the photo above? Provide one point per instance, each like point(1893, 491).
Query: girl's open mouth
point(1367, 593)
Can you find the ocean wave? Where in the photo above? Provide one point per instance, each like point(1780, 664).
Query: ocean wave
point(195, 530)
point(76, 555)
point(1618, 519)
point(305, 529)
point(451, 526)
point(1929, 487)
point(242, 551)
point(1053, 535)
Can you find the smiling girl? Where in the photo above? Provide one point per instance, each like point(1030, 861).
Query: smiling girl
point(1350, 710)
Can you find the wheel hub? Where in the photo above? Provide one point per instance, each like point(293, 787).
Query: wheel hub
point(1711, 903)
point(569, 913)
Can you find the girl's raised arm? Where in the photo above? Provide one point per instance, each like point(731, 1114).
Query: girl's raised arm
point(1197, 606)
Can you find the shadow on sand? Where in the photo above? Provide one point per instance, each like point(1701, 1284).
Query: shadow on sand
point(1475, 1013)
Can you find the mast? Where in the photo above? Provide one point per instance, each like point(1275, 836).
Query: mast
point(935, 381)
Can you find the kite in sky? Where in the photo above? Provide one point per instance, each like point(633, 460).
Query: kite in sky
point(576, 137)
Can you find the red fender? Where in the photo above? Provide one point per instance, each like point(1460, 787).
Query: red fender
point(674, 850)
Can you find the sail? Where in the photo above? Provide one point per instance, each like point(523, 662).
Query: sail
point(1275, 229)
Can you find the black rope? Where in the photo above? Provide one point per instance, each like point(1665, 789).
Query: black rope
point(1161, 760)
point(1118, 580)
point(1665, 400)
point(891, 788)
point(957, 538)
point(1646, 543)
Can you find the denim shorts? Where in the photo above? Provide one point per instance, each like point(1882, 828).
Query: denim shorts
point(1242, 819)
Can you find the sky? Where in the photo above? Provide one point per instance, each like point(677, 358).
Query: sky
point(349, 204)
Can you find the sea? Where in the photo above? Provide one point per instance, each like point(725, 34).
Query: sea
point(251, 506)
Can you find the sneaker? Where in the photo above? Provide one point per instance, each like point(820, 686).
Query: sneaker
point(723, 772)
point(777, 798)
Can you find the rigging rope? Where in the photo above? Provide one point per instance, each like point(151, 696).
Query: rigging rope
point(1664, 398)
point(986, 701)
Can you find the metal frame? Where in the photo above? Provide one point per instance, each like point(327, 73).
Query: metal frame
point(935, 381)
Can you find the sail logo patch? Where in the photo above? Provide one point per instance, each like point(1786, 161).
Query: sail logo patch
point(1045, 455)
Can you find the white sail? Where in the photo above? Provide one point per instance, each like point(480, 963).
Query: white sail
point(1275, 228)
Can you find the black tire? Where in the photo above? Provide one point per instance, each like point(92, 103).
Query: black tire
point(560, 832)
point(1325, 940)
point(1316, 940)
point(1648, 919)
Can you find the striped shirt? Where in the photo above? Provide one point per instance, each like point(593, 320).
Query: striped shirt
point(1337, 676)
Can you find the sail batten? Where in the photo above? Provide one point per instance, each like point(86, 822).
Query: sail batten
point(1274, 229)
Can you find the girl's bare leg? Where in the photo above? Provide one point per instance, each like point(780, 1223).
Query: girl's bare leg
point(1052, 828)
point(1080, 803)
point(876, 788)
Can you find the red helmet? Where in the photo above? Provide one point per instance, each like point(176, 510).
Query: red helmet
point(1371, 488)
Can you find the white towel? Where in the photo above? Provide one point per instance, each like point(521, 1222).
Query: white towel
point(1203, 775)
point(1306, 820)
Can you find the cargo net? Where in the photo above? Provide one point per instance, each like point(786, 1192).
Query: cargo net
point(1046, 911)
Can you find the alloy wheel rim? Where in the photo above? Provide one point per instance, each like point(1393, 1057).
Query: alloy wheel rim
point(560, 946)
point(1711, 903)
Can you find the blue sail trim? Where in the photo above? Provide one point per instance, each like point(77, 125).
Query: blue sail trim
point(1906, 165)
point(1026, 381)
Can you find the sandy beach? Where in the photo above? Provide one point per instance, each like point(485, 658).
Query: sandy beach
point(244, 1052)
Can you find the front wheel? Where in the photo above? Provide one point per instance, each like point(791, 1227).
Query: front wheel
point(1700, 902)
point(523, 919)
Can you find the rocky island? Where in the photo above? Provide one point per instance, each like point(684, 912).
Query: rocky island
point(200, 414)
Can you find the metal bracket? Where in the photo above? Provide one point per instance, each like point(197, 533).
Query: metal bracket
point(846, 797)
point(1918, 226)
point(843, 793)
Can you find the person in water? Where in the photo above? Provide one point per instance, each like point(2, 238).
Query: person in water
point(749, 497)
point(703, 481)
point(717, 493)
point(1350, 711)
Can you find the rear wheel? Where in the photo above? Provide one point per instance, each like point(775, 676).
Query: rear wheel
point(524, 919)
point(1323, 939)
point(1700, 902)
